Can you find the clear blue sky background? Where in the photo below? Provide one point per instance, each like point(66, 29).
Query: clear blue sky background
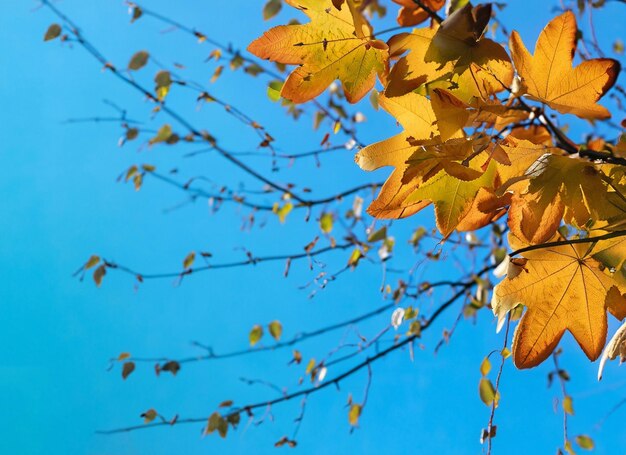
point(61, 203)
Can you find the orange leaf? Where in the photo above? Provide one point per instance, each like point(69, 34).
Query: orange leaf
point(336, 44)
point(549, 75)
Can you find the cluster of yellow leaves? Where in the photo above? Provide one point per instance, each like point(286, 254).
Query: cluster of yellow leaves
point(455, 92)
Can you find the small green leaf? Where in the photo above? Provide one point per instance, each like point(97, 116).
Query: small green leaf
point(138, 60)
point(585, 442)
point(189, 260)
point(326, 223)
point(486, 391)
point(54, 31)
point(275, 329)
point(380, 234)
point(485, 366)
point(273, 90)
point(355, 257)
point(92, 262)
point(217, 423)
point(164, 133)
point(255, 334)
point(568, 405)
point(149, 415)
point(271, 9)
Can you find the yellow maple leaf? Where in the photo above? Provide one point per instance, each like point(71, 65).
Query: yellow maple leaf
point(473, 66)
point(415, 114)
point(453, 197)
point(560, 187)
point(549, 76)
point(336, 44)
point(564, 289)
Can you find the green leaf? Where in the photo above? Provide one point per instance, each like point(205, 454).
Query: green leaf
point(255, 334)
point(92, 262)
point(568, 405)
point(354, 258)
point(54, 31)
point(485, 366)
point(189, 259)
point(138, 60)
point(164, 133)
point(486, 391)
point(326, 223)
point(380, 234)
point(149, 415)
point(217, 423)
point(585, 442)
point(271, 9)
point(273, 90)
point(275, 329)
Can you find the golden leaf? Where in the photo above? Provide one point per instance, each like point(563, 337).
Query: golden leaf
point(563, 288)
point(336, 44)
point(476, 67)
point(412, 14)
point(550, 78)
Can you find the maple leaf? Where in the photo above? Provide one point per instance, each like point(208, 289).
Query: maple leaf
point(336, 44)
point(564, 289)
point(453, 197)
point(413, 14)
point(480, 67)
point(549, 76)
point(415, 114)
point(431, 171)
point(560, 187)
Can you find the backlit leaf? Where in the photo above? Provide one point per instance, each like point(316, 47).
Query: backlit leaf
point(255, 335)
point(275, 329)
point(336, 44)
point(563, 288)
point(549, 76)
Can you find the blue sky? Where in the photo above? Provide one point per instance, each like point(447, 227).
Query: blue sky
point(62, 203)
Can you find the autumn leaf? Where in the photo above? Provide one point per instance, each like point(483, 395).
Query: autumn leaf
point(276, 329)
point(412, 14)
point(138, 60)
point(336, 44)
point(255, 335)
point(415, 114)
point(216, 423)
point(550, 78)
point(53, 31)
point(127, 369)
point(430, 172)
point(475, 66)
point(149, 415)
point(354, 413)
point(563, 289)
point(560, 187)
